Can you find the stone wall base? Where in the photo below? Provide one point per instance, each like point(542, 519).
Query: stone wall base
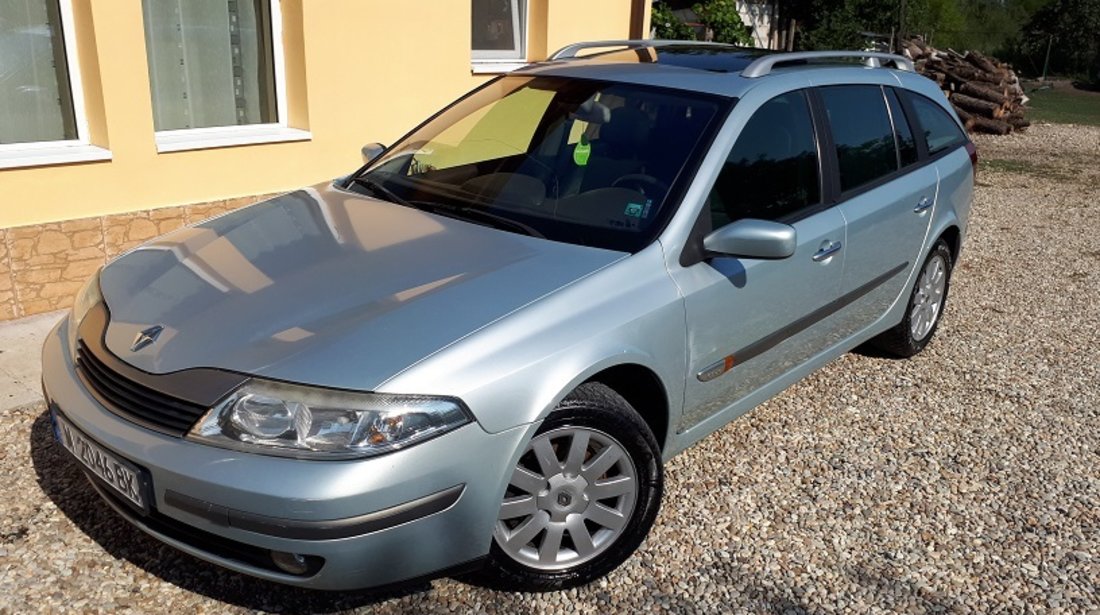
point(43, 265)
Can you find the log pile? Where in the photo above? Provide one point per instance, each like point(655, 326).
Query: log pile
point(985, 92)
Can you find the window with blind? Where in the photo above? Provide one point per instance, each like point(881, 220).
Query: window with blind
point(36, 102)
point(210, 63)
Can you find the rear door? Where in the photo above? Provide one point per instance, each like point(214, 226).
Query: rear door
point(886, 195)
point(944, 141)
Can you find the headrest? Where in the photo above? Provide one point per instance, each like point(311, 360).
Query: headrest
point(592, 112)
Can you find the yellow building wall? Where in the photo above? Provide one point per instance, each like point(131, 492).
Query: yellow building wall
point(357, 71)
point(571, 21)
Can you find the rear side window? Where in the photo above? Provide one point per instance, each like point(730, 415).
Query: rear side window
point(940, 130)
point(862, 132)
point(907, 144)
point(772, 170)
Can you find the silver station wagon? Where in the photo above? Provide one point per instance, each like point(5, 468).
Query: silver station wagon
point(474, 354)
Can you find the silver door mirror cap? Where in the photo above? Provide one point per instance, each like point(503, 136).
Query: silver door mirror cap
point(372, 151)
point(752, 238)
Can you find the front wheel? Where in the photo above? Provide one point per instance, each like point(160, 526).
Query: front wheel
point(581, 499)
point(926, 303)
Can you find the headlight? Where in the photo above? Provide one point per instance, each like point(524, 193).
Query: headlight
point(86, 298)
point(298, 421)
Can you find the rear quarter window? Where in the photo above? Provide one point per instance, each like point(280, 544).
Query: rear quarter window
point(939, 129)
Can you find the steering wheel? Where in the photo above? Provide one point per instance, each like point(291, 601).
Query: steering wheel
point(640, 182)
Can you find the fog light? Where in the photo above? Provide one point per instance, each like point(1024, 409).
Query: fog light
point(293, 563)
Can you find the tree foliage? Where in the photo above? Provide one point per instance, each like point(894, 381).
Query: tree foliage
point(1015, 30)
point(986, 25)
point(1075, 28)
point(668, 26)
point(720, 16)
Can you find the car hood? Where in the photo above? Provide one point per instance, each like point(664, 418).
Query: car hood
point(325, 287)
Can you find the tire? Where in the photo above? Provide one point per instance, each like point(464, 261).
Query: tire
point(927, 301)
point(562, 505)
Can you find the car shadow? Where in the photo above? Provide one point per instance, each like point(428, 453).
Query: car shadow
point(775, 595)
point(733, 269)
point(871, 351)
point(62, 480)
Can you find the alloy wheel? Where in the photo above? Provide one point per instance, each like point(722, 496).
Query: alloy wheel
point(570, 497)
point(928, 298)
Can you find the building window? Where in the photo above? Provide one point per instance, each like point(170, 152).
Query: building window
point(499, 30)
point(36, 101)
point(42, 118)
point(211, 63)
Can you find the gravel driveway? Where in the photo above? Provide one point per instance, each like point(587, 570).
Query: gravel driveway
point(964, 480)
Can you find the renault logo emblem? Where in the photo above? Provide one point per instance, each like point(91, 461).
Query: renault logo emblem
point(146, 337)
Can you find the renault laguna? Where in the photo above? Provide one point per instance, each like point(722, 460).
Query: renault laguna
point(474, 354)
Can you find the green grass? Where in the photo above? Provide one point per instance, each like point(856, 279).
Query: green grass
point(1007, 165)
point(1026, 167)
point(1065, 105)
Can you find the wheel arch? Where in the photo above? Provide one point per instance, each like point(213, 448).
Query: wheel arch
point(953, 237)
point(642, 388)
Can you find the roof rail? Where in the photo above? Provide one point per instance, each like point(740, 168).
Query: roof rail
point(571, 51)
point(764, 65)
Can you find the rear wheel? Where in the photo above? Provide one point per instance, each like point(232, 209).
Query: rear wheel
point(582, 497)
point(926, 303)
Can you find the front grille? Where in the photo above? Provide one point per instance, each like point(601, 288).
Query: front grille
point(133, 401)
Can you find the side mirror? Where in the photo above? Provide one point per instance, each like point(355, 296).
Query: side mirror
point(753, 238)
point(372, 151)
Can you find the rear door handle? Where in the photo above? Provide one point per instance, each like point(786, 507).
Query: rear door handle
point(923, 204)
point(826, 251)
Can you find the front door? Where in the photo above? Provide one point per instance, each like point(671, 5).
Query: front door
point(750, 321)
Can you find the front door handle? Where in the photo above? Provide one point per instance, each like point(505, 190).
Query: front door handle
point(826, 251)
point(923, 204)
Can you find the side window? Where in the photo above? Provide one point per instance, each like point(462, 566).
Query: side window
point(940, 131)
point(862, 132)
point(772, 170)
point(907, 145)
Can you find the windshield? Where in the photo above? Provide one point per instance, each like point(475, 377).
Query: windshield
point(579, 161)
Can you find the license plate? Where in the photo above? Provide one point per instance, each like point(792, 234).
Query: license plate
point(122, 476)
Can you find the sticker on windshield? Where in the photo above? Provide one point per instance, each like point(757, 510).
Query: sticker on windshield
point(582, 151)
point(634, 210)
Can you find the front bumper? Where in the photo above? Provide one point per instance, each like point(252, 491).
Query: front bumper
point(242, 505)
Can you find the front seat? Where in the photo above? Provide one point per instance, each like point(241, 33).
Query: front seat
point(617, 150)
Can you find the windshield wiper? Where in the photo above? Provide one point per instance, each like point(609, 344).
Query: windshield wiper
point(473, 214)
point(379, 190)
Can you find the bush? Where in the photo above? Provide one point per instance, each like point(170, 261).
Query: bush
point(722, 18)
point(668, 26)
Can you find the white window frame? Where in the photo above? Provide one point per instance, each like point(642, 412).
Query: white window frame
point(80, 149)
point(252, 134)
point(487, 61)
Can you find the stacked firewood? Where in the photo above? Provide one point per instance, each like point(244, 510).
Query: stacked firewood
point(984, 91)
